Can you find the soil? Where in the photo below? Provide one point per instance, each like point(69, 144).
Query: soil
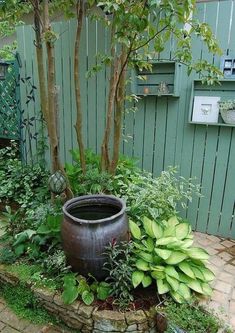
point(144, 299)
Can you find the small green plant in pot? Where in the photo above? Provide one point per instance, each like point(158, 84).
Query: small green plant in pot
point(227, 111)
point(164, 255)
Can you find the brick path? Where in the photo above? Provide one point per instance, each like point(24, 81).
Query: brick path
point(222, 263)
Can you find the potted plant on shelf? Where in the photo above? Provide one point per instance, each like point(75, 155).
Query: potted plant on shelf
point(227, 111)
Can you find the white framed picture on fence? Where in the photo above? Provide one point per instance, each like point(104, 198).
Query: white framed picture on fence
point(205, 109)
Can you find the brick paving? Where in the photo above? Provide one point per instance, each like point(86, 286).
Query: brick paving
point(222, 263)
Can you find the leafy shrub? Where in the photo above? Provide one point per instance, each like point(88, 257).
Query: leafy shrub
point(145, 195)
point(120, 266)
point(24, 184)
point(164, 252)
point(77, 286)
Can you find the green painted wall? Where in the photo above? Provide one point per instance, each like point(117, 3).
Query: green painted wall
point(159, 134)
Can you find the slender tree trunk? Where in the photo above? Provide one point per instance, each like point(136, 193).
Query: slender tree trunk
point(78, 125)
point(52, 127)
point(119, 101)
point(105, 160)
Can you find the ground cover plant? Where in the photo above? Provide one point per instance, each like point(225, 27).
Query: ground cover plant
point(189, 317)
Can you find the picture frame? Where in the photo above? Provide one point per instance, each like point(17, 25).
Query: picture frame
point(205, 109)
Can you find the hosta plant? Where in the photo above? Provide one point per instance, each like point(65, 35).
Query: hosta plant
point(164, 253)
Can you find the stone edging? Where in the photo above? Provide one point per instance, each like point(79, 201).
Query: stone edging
point(88, 319)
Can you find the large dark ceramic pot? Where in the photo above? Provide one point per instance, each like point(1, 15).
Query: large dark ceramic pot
point(90, 223)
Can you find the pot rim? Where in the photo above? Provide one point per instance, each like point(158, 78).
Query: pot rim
point(70, 203)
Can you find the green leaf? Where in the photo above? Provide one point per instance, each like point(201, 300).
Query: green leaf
point(182, 230)
point(169, 232)
point(186, 243)
point(142, 265)
point(157, 230)
point(207, 290)
point(162, 287)
point(135, 230)
point(137, 277)
point(147, 280)
point(103, 291)
point(149, 244)
point(198, 274)
point(176, 257)
point(185, 267)
point(158, 275)
point(146, 256)
point(184, 291)
point(177, 297)
point(196, 286)
point(165, 240)
point(164, 254)
point(184, 278)
point(207, 273)
point(197, 253)
point(148, 226)
point(19, 249)
point(173, 221)
point(171, 271)
point(88, 297)
point(173, 282)
point(70, 294)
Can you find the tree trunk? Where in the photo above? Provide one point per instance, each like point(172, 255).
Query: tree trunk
point(52, 121)
point(119, 102)
point(78, 125)
point(105, 160)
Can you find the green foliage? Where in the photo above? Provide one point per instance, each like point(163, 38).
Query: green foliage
point(46, 237)
point(164, 252)
point(7, 255)
point(155, 197)
point(145, 38)
point(24, 303)
point(93, 181)
point(23, 184)
point(190, 317)
point(77, 286)
point(119, 264)
point(145, 195)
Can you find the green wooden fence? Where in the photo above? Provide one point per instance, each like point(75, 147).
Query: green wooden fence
point(159, 133)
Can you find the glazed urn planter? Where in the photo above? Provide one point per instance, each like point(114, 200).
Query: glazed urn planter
point(90, 223)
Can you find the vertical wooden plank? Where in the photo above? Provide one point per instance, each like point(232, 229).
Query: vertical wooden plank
point(83, 81)
point(139, 131)
point(158, 163)
point(197, 165)
point(149, 133)
point(92, 97)
point(227, 206)
point(29, 109)
point(171, 130)
point(219, 179)
point(21, 50)
point(65, 91)
point(100, 89)
point(72, 36)
point(207, 178)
